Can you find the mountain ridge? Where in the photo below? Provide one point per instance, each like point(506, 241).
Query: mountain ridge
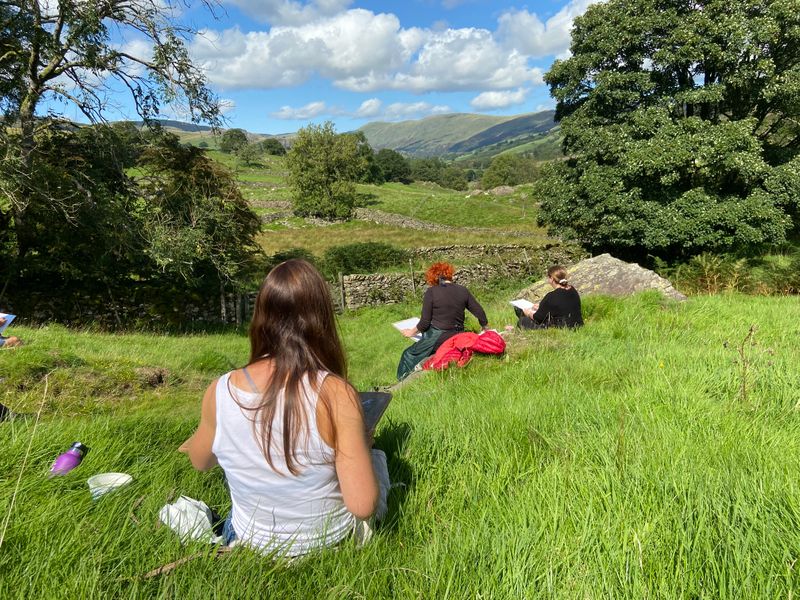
point(453, 135)
point(458, 133)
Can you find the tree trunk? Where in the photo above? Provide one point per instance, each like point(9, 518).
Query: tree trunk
point(223, 310)
point(24, 191)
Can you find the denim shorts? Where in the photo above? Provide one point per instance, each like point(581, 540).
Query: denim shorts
point(228, 534)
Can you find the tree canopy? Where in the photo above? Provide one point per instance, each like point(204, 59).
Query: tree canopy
point(680, 120)
point(273, 146)
point(323, 168)
point(233, 140)
point(78, 228)
point(73, 52)
point(393, 166)
point(508, 169)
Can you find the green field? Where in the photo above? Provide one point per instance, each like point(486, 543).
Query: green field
point(471, 219)
point(631, 459)
point(652, 454)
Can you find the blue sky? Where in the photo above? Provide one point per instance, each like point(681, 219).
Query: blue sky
point(280, 64)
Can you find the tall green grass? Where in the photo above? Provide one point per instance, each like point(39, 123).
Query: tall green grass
point(618, 461)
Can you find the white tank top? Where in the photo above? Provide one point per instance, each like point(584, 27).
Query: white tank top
point(275, 510)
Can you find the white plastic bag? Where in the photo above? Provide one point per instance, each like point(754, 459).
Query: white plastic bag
point(190, 519)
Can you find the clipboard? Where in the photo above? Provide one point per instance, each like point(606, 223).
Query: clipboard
point(374, 405)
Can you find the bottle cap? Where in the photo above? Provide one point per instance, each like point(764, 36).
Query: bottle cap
point(84, 450)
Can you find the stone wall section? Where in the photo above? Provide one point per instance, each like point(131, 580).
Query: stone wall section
point(356, 291)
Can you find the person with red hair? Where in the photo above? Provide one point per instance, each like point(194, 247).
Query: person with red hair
point(443, 307)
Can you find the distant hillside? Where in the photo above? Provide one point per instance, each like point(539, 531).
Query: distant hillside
point(459, 134)
point(178, 125)
point(431, 135)
point(523, 126)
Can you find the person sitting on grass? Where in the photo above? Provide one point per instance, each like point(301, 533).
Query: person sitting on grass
point(288, 429)
point(443, 307)
point(8, 342)
point(559, 308)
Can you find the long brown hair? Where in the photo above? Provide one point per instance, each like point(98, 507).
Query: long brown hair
point(294, 325)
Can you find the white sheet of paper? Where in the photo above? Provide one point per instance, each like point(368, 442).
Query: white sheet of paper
point(522, 303)
point(408, 324)
point(8, 318)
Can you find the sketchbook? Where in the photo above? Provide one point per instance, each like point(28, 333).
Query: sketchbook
point(522, 303)
point(8, 318)
point(408, 324)
point(374, 405)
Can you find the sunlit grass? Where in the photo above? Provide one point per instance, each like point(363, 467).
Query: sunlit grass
point(618, 461)
point(317, 239)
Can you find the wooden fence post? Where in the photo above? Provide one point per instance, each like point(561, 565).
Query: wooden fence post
point(413, 282)
point(341, 291)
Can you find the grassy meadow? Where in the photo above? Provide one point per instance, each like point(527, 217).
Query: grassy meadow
point(651, 454)
point(472, 219)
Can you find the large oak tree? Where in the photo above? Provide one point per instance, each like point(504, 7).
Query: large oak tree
point(681, 120)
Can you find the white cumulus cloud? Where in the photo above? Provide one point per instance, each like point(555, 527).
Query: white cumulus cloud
point(361, 51)
point(369, 108)
point(452, 60)
point(303, 113)
point(527, 33)
point(226, 105)
point(407, 110)
point(499, 99)
point(290, 12)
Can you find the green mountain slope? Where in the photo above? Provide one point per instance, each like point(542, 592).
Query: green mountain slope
point(460, 134)
point(525, 125)
point(429, 136)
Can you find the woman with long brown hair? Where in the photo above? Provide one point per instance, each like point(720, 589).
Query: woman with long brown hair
point(442, 317)
point(288, 429)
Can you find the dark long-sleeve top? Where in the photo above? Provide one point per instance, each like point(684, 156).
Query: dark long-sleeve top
point(560, 308)
point(443, 307)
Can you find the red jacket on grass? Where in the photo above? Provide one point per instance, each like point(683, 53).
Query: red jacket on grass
point(459, 349)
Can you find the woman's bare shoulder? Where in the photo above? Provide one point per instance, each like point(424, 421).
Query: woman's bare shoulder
point(337, 391)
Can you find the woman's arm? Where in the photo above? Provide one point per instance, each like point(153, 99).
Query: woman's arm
point(476, 309)
point(427, 312)
point(198, 447)
point(353, 459)
point(544, 308)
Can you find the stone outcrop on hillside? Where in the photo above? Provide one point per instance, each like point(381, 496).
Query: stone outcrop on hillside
point(607, 275)
point(501, 190)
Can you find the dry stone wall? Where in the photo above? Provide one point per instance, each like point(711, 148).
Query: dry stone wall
point(355, 291)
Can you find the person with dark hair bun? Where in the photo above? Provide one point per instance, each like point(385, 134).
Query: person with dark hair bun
point(443, 307)
point(559, 308)
point(288, 429)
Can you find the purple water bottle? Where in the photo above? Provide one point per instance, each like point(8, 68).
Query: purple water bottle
point(69, 460)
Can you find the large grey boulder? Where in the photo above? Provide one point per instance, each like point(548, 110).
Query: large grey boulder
point(609, 276)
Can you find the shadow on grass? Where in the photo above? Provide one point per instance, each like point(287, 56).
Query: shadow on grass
point(366, 199)
point(392, 440)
